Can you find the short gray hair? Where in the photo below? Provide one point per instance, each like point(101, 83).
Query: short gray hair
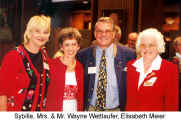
point(154, 32)
point(107, 20)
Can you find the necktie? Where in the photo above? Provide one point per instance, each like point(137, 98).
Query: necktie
point(102, 84)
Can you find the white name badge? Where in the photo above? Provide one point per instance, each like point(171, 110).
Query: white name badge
point(91, 70)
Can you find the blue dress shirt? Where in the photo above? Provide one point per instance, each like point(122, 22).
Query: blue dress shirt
point(112, 95)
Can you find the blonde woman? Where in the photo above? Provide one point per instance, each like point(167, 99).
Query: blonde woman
point(152, 82)
point(24, 74)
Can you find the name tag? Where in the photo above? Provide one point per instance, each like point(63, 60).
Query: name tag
point(150, 82)
point(91, 70)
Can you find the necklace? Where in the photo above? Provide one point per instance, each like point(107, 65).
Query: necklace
point(70, 65)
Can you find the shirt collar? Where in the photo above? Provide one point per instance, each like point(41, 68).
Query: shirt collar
point(109, 50)
point(155, 64)
point(178, 55)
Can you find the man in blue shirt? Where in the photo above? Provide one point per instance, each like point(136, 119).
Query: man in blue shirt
point(116, 58)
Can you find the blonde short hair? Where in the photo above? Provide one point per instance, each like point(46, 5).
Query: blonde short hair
point(36, 22)
point(153, 32)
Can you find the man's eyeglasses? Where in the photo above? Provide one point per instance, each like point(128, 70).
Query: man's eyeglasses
point(106, 31)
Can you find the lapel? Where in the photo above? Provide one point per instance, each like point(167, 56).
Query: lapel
point(77, 74)
point(135, 77)
point(114, 49)
point(118, 56)
point(155, 74)
point(92, 63)
point(92, 60)
point(151, 78)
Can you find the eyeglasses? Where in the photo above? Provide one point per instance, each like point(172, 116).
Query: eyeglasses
point(106, 31)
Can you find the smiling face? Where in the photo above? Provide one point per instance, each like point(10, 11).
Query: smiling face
point(132, 38)
point(38, 37)
point(104, 34)
point(148, 47)
point(70, 47)
point(37, 32)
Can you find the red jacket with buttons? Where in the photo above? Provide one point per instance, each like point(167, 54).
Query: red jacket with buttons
point(57, 84)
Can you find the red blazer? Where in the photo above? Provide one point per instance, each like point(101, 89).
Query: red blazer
point(161, 96)
point(57, 84)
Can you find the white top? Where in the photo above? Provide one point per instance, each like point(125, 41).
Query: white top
point(70, 78)
point(70, 105)
point(140, 68)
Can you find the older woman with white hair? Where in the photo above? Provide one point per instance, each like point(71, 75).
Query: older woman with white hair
point(152, 82)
